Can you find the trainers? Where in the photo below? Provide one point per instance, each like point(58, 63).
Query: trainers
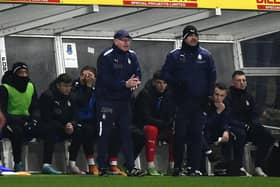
point(93, 170)
point(153, 172)
point(76, 170)
point(178, 172)
point(135, 172)
point(19, 167)
point(243, 172)
point(115, 170)
point(2, 168)
point(260, 172)
point(47, 169)
point(195, 173)
point(186, 170)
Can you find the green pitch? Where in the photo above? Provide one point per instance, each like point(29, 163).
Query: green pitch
point(147, 181)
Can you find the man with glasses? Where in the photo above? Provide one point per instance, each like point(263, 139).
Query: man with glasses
point(118, 76)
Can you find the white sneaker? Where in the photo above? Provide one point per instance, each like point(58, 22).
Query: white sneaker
point(260, 172)
point(243, 172)
point(76, 170)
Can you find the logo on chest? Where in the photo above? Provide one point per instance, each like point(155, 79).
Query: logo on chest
point(117, 65)
point(247, 103)
point(200, 60)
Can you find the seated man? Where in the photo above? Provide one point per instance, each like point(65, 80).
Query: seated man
point(57, 115)
point(245, 118)
point(18, 100)
point(218, 131)
point(85, 132)
point(154, 112)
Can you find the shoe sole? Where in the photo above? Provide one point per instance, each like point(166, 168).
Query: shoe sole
point(78, 173)
point(117, 173)
point(94, 174)
point(155, 175)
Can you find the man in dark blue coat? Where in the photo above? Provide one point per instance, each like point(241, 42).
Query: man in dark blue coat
point(244, 117)
point(191, 72)
point(117, 77)
point(217, 131)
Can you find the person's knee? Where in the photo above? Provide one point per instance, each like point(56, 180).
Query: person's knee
point(238, 135)
point(151, 129)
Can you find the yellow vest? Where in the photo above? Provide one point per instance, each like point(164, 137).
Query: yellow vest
point(19, 102)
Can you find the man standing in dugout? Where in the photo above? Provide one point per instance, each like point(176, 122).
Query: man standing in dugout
point(191, 73)
point(117, 77)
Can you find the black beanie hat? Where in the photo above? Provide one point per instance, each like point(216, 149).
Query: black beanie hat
point(17, 66)
point(190, 29)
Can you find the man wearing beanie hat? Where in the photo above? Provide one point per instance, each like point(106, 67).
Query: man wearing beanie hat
point(118, 76)
point(191, 72)
point(18, 103)
point(188, 30)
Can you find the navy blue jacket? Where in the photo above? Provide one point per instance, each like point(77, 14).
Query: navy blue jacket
point(191, 73)
point(85, 102)
point(242, 108)
point(114, 68)
point(153, 108)
point(215, 124)
point(57, 109)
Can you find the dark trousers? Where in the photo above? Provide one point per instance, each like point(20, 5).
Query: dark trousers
point(188, 123)
point(18, 132)
point(54, 132)
point(138, 139)
point(232, 150)
point(85, 135)
point(263, 139)
point(118, 114)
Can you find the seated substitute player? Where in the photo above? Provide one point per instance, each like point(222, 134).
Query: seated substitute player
point(245, 118)
point(85, 132)
point(57, 117)
point(154, 113)
point(217, 130)
point(18, 102)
